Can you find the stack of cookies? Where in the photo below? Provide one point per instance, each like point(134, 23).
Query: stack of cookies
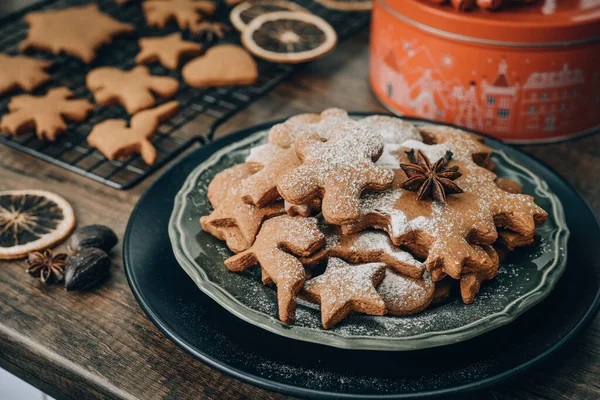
point(372, 216)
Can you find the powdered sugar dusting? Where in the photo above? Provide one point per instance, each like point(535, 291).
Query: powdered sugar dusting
point(403, 293)
point(393, 130)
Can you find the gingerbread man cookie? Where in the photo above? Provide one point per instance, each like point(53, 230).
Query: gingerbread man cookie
point(45, 113)
point(115, 140)
point(133, 89)
point(338, 171)
point(22, 72)
point(78, 31)
point(229, 208)
point(279, 239)
point(344, 288)
point(167, 50)
point(186, 12)
point(222, 65)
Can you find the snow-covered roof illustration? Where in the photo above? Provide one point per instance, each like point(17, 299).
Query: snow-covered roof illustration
point(554, 79)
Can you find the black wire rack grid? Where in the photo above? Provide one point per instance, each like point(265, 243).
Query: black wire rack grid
point(208, 107)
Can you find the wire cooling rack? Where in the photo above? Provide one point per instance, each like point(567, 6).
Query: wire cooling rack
point(207, 107)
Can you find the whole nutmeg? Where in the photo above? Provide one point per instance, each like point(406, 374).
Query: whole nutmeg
point(93, 236)
point(86, 269)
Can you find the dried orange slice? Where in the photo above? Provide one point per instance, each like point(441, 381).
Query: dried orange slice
point(245, 12)
point(289, 37)
point(347, 5)
point(31, 220)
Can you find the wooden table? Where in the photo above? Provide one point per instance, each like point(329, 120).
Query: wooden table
point(100, 344)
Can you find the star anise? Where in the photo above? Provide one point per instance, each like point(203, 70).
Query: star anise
point(47, 266)
point(210, 30)
point(430, 181)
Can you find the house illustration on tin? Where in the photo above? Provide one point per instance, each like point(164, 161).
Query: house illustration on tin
point(498, 97)
point(549, 98)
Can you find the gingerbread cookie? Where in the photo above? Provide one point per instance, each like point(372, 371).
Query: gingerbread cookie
point(344, 288)
point(364, 247)
point(261, 188)
point(229, 208)
point(218, 190)
point(222, 65)
point(318, 126)
point(115, 140)
point(279, 239)
point(443, 233)
point(77, 31)
point(133, 89)
point(472, 278)
point(167, 50)
point(508, 185)
point(338, 171)
point(22, 72)
point(304, 210)
point(45, 113)
point(185, 12)
point(404, 295)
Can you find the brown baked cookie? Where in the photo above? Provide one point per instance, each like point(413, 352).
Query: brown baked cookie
point(508, 185)
point(261, 188)
point(318, 126)
point(394, 132)
point(22, 72)
point(464, 145)
point(279, 239)
point(167, 50)
point(133, 89)
point(364, 247)
point(337, 171)
point(115, 140)
point(222, 65)
point(45, 113)
point(443, 233)
point(77, 31)
point(472, 278)
point(404, 295)
point(344, 288)
point(230, 209)
point(185, 12)
point(303, 210)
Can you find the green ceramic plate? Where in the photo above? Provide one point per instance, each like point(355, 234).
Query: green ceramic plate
point(526, 279)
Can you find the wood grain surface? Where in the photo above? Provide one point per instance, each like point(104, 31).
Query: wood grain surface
point(101, 345)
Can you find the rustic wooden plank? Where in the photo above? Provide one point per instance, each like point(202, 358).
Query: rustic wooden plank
point(100, 344)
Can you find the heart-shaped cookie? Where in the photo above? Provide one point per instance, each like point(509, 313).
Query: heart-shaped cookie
point(223, 65)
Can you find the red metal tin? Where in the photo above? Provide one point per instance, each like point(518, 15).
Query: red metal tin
point(526, 74)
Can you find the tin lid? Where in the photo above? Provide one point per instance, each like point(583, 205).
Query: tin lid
point(543, 23)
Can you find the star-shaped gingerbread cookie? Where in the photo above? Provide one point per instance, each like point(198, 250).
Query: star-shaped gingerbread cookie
point(77, 31)
point(45, 113)
point(229, 208)
point(338, 171)
point(167, 50)
point(133, 89)
point(115, 140)
point(187, 13)
point(278, 242)
point(22, 72)
point(344, 288)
